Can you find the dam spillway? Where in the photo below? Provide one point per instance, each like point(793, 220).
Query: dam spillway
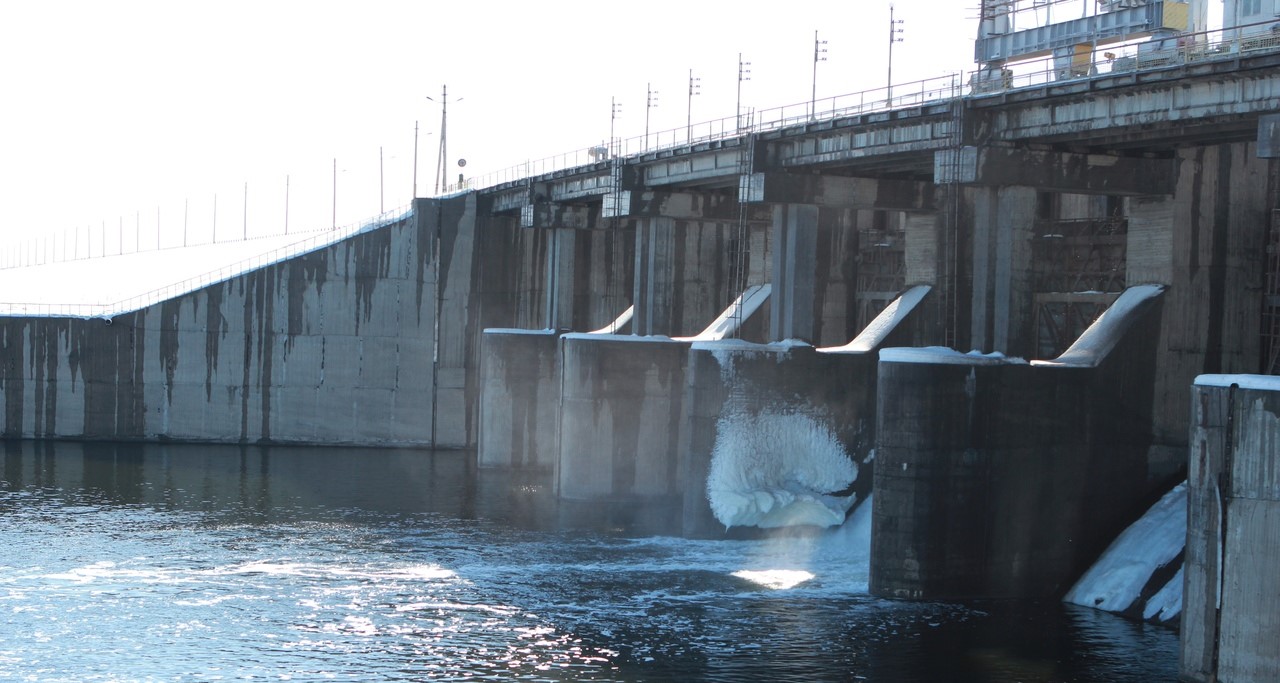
point(1026, 212)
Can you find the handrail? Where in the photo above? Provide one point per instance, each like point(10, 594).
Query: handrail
point(884, 98)
point(1223, 43)
point(1139, 55)
point(136, 302)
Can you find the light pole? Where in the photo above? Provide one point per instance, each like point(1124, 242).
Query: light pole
point(744, 74)
point(895, 36)
point(651, 101)
point(442, 159)
point(695, 88)
point(819, 55)
point(615, 108)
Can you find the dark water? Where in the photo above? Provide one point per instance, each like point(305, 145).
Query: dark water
point(197, 563)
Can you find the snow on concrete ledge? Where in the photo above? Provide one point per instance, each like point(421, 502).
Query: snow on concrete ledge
point(515, 330)
point(941, 355)
point(1254, 382)
point(595, 336)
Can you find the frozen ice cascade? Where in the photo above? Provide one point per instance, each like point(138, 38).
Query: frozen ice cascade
point(778, 469)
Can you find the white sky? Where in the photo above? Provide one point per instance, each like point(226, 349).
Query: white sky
point(114, 112)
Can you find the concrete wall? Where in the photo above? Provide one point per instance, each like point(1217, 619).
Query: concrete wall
point(1231, 587)
point(1001, 307)
point(682, 275)
point(335, 346)
point(1212, 252)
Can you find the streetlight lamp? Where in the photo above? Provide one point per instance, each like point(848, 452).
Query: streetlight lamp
point(441, 160)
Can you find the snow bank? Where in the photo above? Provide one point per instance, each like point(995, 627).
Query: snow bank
point(1115, 582)
point(775, 470)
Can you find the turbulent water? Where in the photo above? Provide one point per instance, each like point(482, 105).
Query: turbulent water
point(197, 563)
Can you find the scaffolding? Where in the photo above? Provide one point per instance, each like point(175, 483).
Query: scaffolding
point(1079, 270)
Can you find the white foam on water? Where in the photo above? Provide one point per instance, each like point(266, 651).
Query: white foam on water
point(776, 469)
point(777, 579)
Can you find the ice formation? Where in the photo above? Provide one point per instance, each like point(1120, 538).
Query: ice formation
point(778, 469)
point(1115, 582)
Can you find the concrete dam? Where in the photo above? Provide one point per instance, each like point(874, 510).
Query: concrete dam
point(985, 304)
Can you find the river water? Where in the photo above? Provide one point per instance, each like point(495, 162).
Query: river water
point(207, 563)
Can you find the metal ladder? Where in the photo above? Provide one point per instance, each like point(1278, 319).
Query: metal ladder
point(740, 258)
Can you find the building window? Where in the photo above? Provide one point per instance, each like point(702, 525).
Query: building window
point(1249, 8)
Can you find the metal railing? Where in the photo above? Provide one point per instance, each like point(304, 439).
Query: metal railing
point(136, 302)
point(1226, 43)
point(1137, 56)
point(1125, 57)
point(906, 95)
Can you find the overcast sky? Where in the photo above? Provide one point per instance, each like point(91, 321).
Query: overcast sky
point(114, 112)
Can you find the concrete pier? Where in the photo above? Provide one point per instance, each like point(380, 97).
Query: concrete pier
point(519, 398)
point(1231, 589)
point(620, 417)
point(998, 478)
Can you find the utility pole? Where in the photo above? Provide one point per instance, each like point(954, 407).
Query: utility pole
point(651, 101)
point(414, 195)
point(695, 88)
point(744, 74)
point(442, 159)
point(615, 108)
point(819, 55)
point(895, 36)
